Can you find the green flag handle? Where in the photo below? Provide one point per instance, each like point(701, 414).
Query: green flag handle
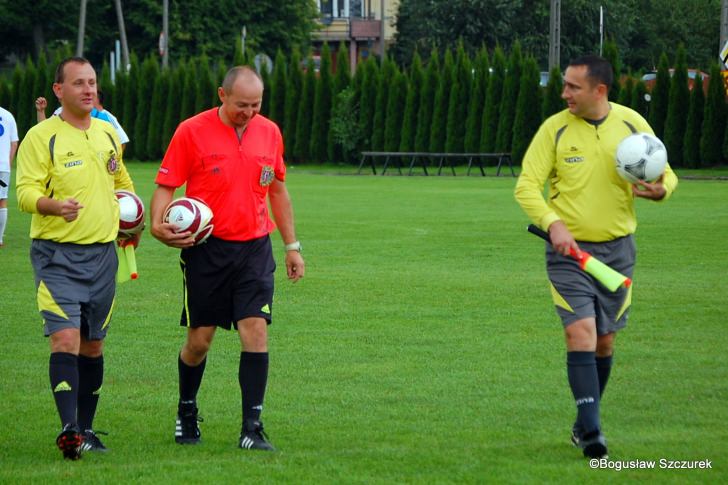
point(131, 261)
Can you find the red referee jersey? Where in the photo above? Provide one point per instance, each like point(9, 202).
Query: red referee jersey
point(232, 176)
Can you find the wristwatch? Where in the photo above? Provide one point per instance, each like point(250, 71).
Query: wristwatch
point(294, 246)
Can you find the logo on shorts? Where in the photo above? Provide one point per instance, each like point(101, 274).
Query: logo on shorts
point(266, 309)
point(266, 176)
point(112, 165)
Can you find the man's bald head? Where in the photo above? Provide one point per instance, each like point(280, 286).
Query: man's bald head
point(245, 73)
point(241, 95)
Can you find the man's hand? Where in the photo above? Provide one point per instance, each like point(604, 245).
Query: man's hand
point(562, 240)
point(69, 209)
point(653, 191)
point(125, 240)
point(295, 267)
point(165, 232)
point(41, 104)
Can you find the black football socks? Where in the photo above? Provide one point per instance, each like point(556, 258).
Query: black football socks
point(190, 379)
point(90, 379)
point(604, 367)
point(584, 381)
point(253, 377)
point(63, 373)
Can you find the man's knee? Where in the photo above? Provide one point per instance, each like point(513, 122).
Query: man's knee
point(198, 343)
point(605, 345)
point(253, 334)
point(67, 340)
point(581, 335)
point(91, 348)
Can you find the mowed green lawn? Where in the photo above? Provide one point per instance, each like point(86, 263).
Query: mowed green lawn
point(421, 347)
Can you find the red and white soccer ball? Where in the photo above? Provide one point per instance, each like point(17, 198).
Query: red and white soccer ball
point(641, 156)
point(191, 215)
point(131, 212)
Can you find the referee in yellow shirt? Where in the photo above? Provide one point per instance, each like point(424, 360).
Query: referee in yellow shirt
point(588, 207)
point(68, 169)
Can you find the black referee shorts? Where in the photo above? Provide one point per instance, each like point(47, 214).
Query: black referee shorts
point(226, 281)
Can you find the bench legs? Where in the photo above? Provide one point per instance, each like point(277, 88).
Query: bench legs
point(361, 164)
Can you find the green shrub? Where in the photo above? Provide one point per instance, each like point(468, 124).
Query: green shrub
point(691, 141)
point(476, 103)
point(714, 121)
point(527, 118)
point(426, 104)
point(438, 126)
point(552, 101)
point(677, 110)
point(511, 85)
point(660, 97)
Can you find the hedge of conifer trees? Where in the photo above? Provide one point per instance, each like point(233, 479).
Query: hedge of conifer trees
point(453, 102)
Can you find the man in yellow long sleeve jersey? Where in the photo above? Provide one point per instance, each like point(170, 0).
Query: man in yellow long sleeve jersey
point(588, 207)
point(68, 169)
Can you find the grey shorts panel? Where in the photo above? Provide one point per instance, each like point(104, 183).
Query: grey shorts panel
point(4, 184)
point(75, 285)
point(586, 296)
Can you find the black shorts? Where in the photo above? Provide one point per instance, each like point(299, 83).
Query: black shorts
point(227, 281)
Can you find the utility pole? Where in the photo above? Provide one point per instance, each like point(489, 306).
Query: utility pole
point(122, 34)
point(81, 29)
point(555, 35)
point(243, 35)
point(601, 29)
point(381, 31)
point(165, 34)
point(723, 24)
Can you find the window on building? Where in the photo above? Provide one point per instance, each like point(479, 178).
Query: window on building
point(341, 8)
point(355, 8)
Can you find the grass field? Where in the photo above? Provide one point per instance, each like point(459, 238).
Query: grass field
point(421, 347)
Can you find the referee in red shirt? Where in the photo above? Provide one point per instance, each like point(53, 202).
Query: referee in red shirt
point(230, 157)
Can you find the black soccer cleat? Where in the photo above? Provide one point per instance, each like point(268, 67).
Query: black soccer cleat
point(593, 444)
point(91, 441)
point(252, 436)
point(576, 431)
point(70, 441)
point(187, 432)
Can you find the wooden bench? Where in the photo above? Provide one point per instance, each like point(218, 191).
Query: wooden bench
point(439, 160)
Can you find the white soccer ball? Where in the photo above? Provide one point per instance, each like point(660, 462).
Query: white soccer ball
point(192, 215)
point(641, 156)
point(131, 212)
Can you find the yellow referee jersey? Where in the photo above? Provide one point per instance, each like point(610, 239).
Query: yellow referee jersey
point(59, 161)
point(584, 190)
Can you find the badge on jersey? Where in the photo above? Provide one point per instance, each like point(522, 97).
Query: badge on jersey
point(266, 176)
point(112, 164)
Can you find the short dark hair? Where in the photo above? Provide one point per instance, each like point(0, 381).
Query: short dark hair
point(100, 95)
point(232, 76)
point(598, 69)
point(60, 75)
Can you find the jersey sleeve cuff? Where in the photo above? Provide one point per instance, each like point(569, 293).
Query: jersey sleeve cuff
point(547, 220)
